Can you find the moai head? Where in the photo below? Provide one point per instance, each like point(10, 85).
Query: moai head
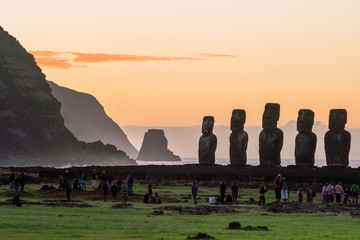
point(238, 118)
point(208, 125)
point(305, 120)
point(337, 119)
point(271, 115)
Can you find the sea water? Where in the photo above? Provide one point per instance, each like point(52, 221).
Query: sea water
point(253, 162)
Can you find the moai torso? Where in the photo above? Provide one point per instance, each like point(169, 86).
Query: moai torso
point(271, 137)
point(337, 139)
point(305, 142)
point(207, 142)
point(238, 138)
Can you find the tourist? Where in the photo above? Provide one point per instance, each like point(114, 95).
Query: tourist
point(94, 178)
point(212, 199)
point(76, 185)
point(309, 195)
point(22, 181)
point(194, 191)
point(157, 198)
point(114, 191)
point(355, 193)
point(68, 189)
point(110, 179)
point(228, 199)
point(83, 181)
point(299, 195)
point(15, 201)
point(61, 182)
point(124, 192)
point(17, 183)
point(234, 191)
point(119, 180)
point(331, 191)
point(131, 183)
point(347, 196)
point(103, 180)
point(105, 188)
point(262, 192)
point(338, 191)
point(222, 191)
point(150, 189)
point(12, 181)
point(324, 194)
point(278, 185)
point(285, 190)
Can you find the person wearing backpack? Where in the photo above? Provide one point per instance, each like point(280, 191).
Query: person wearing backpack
point(355, 193)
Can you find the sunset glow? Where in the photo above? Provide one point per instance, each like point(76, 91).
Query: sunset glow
point(169, 63)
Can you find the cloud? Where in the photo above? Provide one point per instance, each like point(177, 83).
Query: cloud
point(65, 60)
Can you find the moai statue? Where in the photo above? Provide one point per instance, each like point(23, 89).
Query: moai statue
point(238, 138)
point(207, 142)
point(305, 142)
point(271, 137)
point(337, 139)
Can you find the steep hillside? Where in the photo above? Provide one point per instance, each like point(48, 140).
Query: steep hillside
point(85, 117)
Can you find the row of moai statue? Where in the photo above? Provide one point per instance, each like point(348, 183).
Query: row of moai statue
point(337, 139)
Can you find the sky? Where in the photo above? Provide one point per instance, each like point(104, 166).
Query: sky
point(169, 63)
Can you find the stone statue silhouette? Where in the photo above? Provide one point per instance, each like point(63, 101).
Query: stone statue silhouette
point(337, 139)
point(271, 137)
point(305, 141)
point(238, 138)
point(207, 142)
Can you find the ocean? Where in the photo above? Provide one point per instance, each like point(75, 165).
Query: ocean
point(253, 162)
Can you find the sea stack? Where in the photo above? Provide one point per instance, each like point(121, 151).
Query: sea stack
point(32, 131)
point(155, 147)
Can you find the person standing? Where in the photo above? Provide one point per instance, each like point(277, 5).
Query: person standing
point(12, 181)
point(131, 184)
point(68, 190)
point(355, 193)
point(309, 195)
point(262, 192)
point(22, 181)
point(285, 190)
point(331, 191)
point(324, 193)
point(119, 180)
point(94, 178)
point(299, 195)
point(124, 192)
point(234, 191)
point(150, 191)
point(194, 191)
point(338, 191)
point(222, 191)
point(83, 181)
point(278, 185)
point(105, 190)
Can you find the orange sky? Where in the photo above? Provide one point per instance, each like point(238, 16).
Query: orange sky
point(169, 63)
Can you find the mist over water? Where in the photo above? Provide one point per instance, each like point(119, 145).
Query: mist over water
point(252, 162)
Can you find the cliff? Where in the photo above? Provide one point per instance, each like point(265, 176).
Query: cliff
point(32, 130)
point(85, 117)
point(154, 147)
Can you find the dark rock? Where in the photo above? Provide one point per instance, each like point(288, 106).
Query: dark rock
point(201, 209)
point(32, 131)
point(207, 142)
point(155, 147)
point(201, 236)
point(122, 206)
point(156, 212)
point(263, 228)
point(85, 117)
point(271, 137)
point(305, 142)
point(337, 139)
point(238, 138)
point(234, 225)
point(248, 228)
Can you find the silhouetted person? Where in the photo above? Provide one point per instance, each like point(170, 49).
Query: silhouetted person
point(194, 191)
point(22, 181)
point(150, 191)
point(105, 190)
point(76, 185)
point(222, 191)
point(114, 191)
point(68, 189)
point(234, 191)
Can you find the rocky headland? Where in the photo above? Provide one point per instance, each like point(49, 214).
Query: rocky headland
point(32, 130)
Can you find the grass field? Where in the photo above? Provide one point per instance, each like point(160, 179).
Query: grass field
point(103, 222)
